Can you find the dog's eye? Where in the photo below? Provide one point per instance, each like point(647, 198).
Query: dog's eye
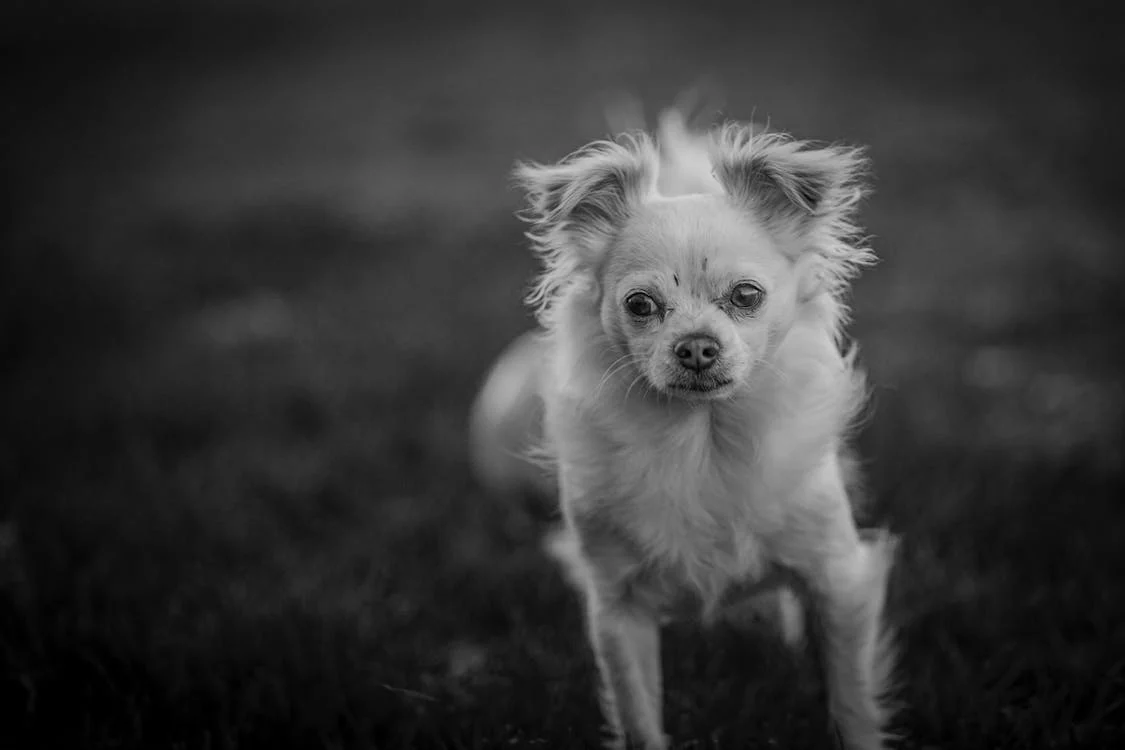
point(747, 296)
point(640, 304)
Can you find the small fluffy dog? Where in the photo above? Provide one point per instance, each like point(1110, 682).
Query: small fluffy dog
point(692, 393)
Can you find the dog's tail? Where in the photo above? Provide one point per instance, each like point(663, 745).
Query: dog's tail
point(506, 425)
point(682, 133)
point(685, 156)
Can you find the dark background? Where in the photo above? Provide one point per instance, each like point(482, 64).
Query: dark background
point(257, 256)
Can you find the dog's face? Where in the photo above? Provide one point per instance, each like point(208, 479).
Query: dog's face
point(700, 254)
point(695, 295)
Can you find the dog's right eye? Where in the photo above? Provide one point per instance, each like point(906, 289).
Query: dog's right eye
point(640, 304)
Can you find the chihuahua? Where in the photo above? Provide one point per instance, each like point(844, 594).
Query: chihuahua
point(693, 395)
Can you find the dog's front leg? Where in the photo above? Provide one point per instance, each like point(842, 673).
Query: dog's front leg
point(847, 588)
point(626, 640)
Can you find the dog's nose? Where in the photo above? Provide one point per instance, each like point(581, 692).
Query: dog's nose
point(697, 352)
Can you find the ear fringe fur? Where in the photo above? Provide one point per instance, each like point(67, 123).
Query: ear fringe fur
point(576, 204)
point(823, 186)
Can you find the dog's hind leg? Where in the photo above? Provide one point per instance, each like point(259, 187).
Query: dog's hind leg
point(626, 641)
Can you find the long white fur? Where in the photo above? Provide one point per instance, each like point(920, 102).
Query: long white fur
point(673, 501)
point(505, 425)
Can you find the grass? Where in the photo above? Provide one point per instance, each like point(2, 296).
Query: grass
point(237, 510)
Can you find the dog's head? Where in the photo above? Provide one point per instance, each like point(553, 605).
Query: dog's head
point(697, 254)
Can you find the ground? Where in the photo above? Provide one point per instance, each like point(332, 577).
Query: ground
point(255, 264)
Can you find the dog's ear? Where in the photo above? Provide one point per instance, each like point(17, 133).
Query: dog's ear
point(576, 206)
point(775, 173)
point(810, 193)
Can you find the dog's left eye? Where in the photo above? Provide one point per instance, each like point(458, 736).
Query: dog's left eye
point(747, 296)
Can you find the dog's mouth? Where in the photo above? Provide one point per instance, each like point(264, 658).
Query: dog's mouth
point(701, 387)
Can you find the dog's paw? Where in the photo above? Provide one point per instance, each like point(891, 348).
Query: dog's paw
point(779, 611)
point(881, 545)
point(791, 619)
point(561, 545)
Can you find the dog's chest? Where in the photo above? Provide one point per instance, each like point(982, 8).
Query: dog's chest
point(692, 500)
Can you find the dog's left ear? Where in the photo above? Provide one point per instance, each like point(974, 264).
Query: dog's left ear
point(808, 193)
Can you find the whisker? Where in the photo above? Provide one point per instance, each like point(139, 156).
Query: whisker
point(640, 378)
point(617, 366)
point(783, 376)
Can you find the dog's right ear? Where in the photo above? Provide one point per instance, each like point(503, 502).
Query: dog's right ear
point(575, 207)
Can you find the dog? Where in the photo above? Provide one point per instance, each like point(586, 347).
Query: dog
point(690, 398)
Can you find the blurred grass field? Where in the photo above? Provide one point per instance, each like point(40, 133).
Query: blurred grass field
point(256, 263)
